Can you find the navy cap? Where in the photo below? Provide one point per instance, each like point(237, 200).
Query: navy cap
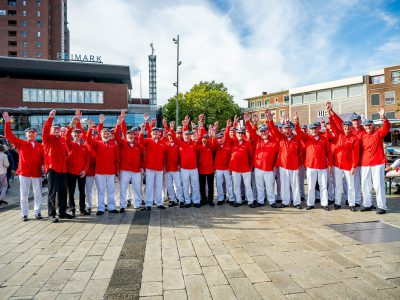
point(317, 123)
point(304, 127)
point(77, 130)
point(155, 129)
point(179, 130)
point(206, 136)
point(279, 125)
point(187, 132)
point(367, 122)
point(30, 129)
point(106, 130)
point(233, 129)
point(263, 128)
point(222, 129)
point(130, 131)
point(57, 125)
point(286, 126)
point(313, 126)
point(355, 117)
point(347, 123)
point(95, 132)
point(240, 131)
point(220, 136)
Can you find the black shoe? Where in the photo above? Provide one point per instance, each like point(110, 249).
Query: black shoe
point(363, 208)
point(303, 199)
point(347, 202)
point(331, 202)
point(181, 204)
point(254, 205)
point(99, 213)
point(161, 207)
point(336, 207)
point(273, 205)
point(197, 205)
point(148, 207)
point(310, 207)
point(325, 208)
point(283, 206)
point(211, 203)
point(220, 202)
point(65, 216)
point(353, 208)
point(25, 218)
point(122, 210)
point(380, 211)
point(73, 213)
point(231, 203)
point(114, 211)
point(317, 200)
point(89, 210)
point(373, 206)
point(129, 203)
point(38, 216)
point(143, 203)
point(172, 204)
point(358, 205)
point(188, 205)
point(53, 219)
point(298, 206)
point(397, 192)
point(237, 204)
point(243, 198)
point(84, 212)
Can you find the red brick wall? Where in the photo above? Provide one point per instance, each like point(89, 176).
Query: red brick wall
point(115, 95)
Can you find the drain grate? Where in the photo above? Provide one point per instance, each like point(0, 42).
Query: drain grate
point(369, 232)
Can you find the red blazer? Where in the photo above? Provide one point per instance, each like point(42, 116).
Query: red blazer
point(155, 154)
point(107, 156)
point(206, 157)
point(31, 158)
point(55, 150)
point(78, 156)
point(372, 152)
point(188, 152)
point(222, 156)
point(131, 158)
point(172, 157)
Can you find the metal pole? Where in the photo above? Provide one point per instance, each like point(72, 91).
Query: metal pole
point(177, 81)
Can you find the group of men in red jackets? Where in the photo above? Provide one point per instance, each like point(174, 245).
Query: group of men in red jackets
point(182, 163)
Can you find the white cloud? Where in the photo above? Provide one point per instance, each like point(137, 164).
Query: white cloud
point(254, 46)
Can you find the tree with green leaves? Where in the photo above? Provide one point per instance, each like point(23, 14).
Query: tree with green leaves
point(209, 98)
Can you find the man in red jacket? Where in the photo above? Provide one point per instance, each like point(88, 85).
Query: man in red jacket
point(78, 165)
point(56, 167)
point(265, 155)
point(345, 158)
point(317, 161)
point(30, 164)
point(240, 165)
point(207, 146)
point(373, 161)
point(107, 164)
point(222, 174)
point(288, 160)
point(131, 165)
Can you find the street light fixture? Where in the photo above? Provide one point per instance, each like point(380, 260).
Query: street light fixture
point(178, 63)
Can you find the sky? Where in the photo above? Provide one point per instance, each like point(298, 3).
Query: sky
point(251, 46)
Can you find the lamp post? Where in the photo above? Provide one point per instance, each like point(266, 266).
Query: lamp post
point(178, 63)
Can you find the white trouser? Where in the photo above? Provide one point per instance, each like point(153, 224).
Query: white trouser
point(254, 185)
point(265, 185)
point(339, 186)
point(373, 176)
point(289, 179)
point(164, 187)
point(278, 184)
point(3, 186)
point(103, 183)
point(345, 188)
point(357, 185)
point(154, 181)
point(302, 177)
point(174, 186)
point(24, 187)
point(322, 176)
point(190, 179)
point(124, 178)
point(237, 179)
point(331, 186)
point(220, 175)
point(89, 191)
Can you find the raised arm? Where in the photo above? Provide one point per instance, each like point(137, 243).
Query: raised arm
point(90, 139)
point(47, 126)
point(250, 128)
point(8, 132)
point(384, 130)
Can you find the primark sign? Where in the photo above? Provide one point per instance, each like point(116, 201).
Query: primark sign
point(79, 57)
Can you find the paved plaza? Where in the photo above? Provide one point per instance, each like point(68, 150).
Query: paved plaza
point(217, 252)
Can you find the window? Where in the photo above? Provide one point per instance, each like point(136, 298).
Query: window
point(60, 96)
point(377, 79)
point(33, 95)
point(100, 96)
point(40, 95)
point(391, 115)
point(356, 90)
point(93, 97)
point(251, 104)
point(297, 99)
point(39, 54)
point(38, 13)
point(47, 95)
point(23, 23)
point(38, 34)
point(259, 103)
point(38, 24)
point(38, 44)
point(375, 116)
point(54, 96)
point(24, 53)
point(324, 95)
point(24, 34)
point(12, 23)
point(310, 97)
point(389, 98)
point(11, 2)
point(262, 116)
point(375, 99)
point(25, 95)
point(24, 3)
point(81, 96)
point(266, 102)
point(74, 96)
point(87, 97)
point(24, 44)
point(12, 53)
point(339, 93)
point(38, 3)
point(3, 12)
point(12, 43)
point(12, 33)
point(11, 13)
point(396, 77)
point(24, 13)
point(286, 98)
point(282, 112)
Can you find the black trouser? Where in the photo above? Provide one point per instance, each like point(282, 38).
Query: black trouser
point(57, 185)
point(71, 191)
point(209, 178)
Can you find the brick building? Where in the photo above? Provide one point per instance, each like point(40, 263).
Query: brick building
point(277, 102)
point(33, 28)
point(383, 88)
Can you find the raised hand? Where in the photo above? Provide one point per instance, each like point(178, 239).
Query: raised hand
point(255, 118)
point(216, 125)
point(172, 125)
point(193, 124)
point(246, 117)
point(381, 112)
point(101, 118)
point(146, 117)
point(6, 117)
point(229, 122)
point(329, 106)
point(123, 113)
point(235, 119)
point(90, 123)
point(164, 122)
point(296, 118)
point(201, 117)
point(120, 119)
point(78, 113)
point(52, 114)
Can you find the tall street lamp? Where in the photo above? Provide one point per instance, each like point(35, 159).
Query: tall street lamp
point(178, 63)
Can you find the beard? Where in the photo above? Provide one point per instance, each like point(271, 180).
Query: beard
point(105, 139)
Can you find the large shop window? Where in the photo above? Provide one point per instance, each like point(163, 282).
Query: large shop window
point(62, 96)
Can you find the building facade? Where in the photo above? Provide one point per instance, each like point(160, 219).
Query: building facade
point(347, 95)
point(383, 88)
point(277, 102)
point(33, 28)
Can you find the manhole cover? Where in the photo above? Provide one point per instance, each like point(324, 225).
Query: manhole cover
point(369, 232)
